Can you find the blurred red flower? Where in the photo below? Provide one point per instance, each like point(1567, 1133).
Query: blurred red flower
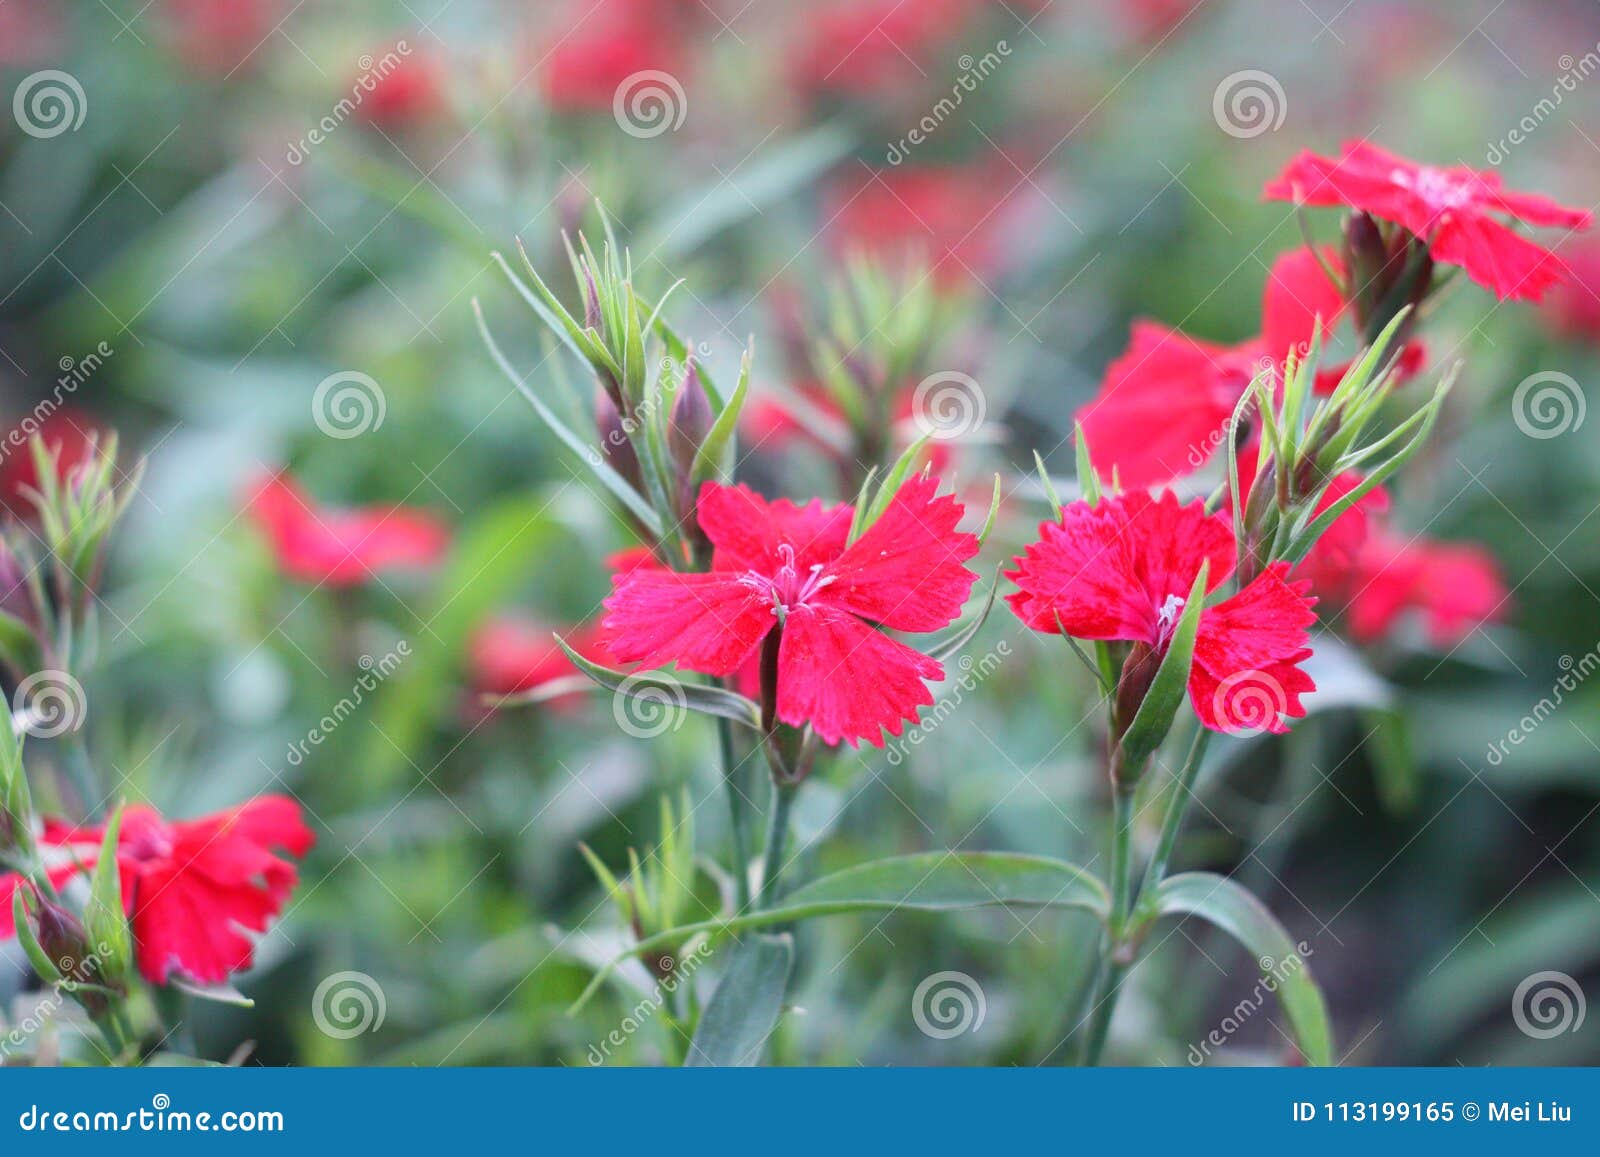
point(1451, 208)
point(870, 47)
point(949, 216)
point(1164, 405)
point(1573, 306)
point(1455, 587)
point(191, 888)
point(219, 36)
point(787, 574)
point(342, 547)
point(70, 433)
point(411, 91)
point(1122, 570)
point(603, 45)
point(509, 654)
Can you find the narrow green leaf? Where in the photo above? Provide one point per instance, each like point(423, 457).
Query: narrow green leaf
point(103, 917)
point(31, 948)
point(953, 645)
point(1050, 487)
point(892, 480)
point(1167, 690)
point(1233, 909)
point(214, 993)
point(744, 1010)
point(1088, 480)
point(591, 456)
point(994, 512)
point(926, 881)
point(667, 692)
point(710, 458)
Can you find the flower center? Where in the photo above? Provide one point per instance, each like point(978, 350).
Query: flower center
point(790, 587)
point(1167, 618)
point(1441, 190)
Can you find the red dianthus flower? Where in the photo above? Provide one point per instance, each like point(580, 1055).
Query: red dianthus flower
point(341, 547)
point(1121, 570)
point(787, 573)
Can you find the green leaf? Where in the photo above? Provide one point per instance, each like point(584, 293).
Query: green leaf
point(924, 882)
point(1167, 690)
point(708, 459)
point(37, 956)
point(488, 562)
point(1394, 761)
point(215, 993)
point(1088, 480)
point(669, 692)
point(1235, 911)
point(953, 645)
point(609, 478)
point(891, 486)
point(103, 917)
point(18, 644)
point(744, 1010)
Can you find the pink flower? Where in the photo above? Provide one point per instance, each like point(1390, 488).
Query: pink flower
point(1121, 570)
point(339, 547)
point(785, 576)
point(191, 888)
point(1454, 209)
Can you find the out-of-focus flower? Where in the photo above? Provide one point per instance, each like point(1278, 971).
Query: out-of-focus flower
point(1331, 558)
point(950, 217)
point(866, 48)
point(1123, 569)
point(1573, 307)
point(1454, 210)
point(191, 888)
point(785, 577)
point(220, 36)
point(412, 91)
point(604, 44)
point(342, 547)
point(510, 654)
point(30, 31)
point(70, 434)
point(1455, 587)
point(1164, 406)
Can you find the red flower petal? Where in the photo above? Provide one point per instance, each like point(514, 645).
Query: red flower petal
point(1108, 571)
point(847, 680)
point(906, 571)
point(1246, 673)
point(342, 547)
point(747, 530)
point(1298, 293)
point(710, 623)
point(1163, 406)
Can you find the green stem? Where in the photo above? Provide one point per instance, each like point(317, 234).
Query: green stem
point(79, 774)
point(738, 813)
point(777, 841)
point(1183, 793)
point(1108, 987)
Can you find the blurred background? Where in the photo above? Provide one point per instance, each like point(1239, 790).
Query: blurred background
point(247, 234)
